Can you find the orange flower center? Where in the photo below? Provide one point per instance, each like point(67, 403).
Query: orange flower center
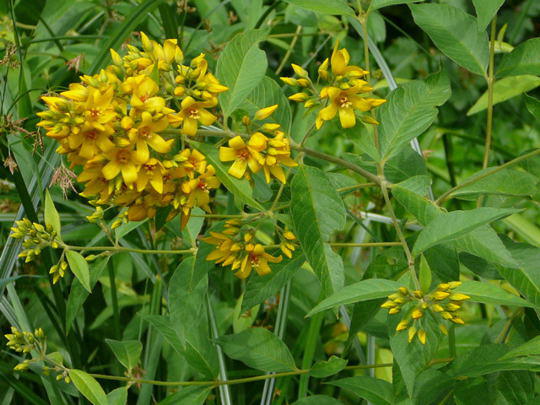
point(144, 132)
point(122, 156)
point(92, 135)
point(94, 113)
point(344, 102)
point(242, 154)
point(193, 113)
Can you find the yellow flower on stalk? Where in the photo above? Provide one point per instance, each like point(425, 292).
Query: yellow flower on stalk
point(197, 190)
point(278, 153)
point(344, 103)
point(90, 141)
point(257, 259)
point(152, 173)
point(122, 161)
point(146, 133)
point(243, 155)
point(339, 63)
point(194, 112)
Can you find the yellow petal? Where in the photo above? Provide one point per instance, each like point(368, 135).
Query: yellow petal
point(110, 170)
point(238, 168)
point(227, 154)
point(347, 117)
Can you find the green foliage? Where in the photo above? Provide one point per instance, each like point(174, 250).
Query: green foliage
point(444, 189)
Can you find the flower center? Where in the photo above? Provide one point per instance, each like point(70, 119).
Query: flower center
point(92, 135)
point(149, 168)
point(123, 156)
point(193, 113)
point(94, 113)
point(144, 132)
point(243, 154)
point(344, 102)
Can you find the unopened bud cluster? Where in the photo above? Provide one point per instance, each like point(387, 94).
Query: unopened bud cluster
point(439, 303)
point(24, 342)
point(35, 237)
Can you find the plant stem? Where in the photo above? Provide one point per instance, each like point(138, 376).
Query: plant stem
point(338, 161)
point(496, 169)
point(397, 226)
point(490, 80)
point(127, 249)
point(114, 300)
point(355, 187)
point(289, 51)
point(452, 341)
point(309, 351)
point(365, 244)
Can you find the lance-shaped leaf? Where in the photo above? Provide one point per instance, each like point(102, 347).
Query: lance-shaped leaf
point(79, 267)
point(258, 348)
point(128, 352)
point(455, 33)
point(409, 111)
point(372, 389)
point(490, 294)
point(317, 211)
point(241, 67)
point(364, 290)
point(485, 11)
point(89, 387)
point(52, 217)
point(523, 60)
point(334, 7)
point(504, 89)
point(450, 226)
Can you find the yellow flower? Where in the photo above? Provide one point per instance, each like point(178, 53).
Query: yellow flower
point(90, 141)
point(198, 189)
point(152, 173)
point(244, 155)
point(193, 113)
point(278, 153)
point(124, 161)
point(256, 259)
point(422, 336)
point(266, 112)
point(344, 103)
point(147, 134)
point(339, 63)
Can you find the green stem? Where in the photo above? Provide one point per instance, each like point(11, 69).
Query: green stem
point(289, 51)
point(355, 187)
point(365, 244)
point(397, 227)
point(114, 300)
point(452, 341)
point(490, 80)
point(309, 351)
point(128, 249)
point(496, 169)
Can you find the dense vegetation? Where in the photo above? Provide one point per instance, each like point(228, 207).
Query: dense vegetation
point(276, 202)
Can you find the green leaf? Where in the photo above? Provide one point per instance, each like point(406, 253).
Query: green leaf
point(326, 368)
point(482, 242)
point(118, 35)
point(241, 67)
point(533, 105)
point(530, 348)
point(118, 396)
point(364, 290)
point(525, 278)
point(485, 11)
point(52, 217)
point(503, 182)
point(376, 4)
point(450, 226)
point(374, 390)
point(89, 387)
point(128, 352)
point(526, 229)
point(79, 267)
point(163, 325)
point(317, 211)
point(490, 294)
point(335, 7)
point(268, 93)
point(409, 111)
point(259, 349)
point(258, 289)
point(523, 60)
point(318, 400)
point(505, 89)
point(425, 274)
point(455, 33)
point(188, 396)
point(78, 294)
point(239, 188)
point(517, 387)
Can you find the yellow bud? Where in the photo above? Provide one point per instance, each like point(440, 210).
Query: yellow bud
point(400, 300)
point(417, 314)
point(411, 333)
point(299, 70)
point(459, 297)
point(394, 310)
point(403, 290)
point(394, 296)
point(368, 119)
point(264, 113)
point(458, 320)
point(440, 295)
point(402, 325)
point(21, 366)
point(443, 286)
point(289, 235)
point(446, 315)
point(179, 91)
point(299, 97)
point(116, 224)
point(454, 284)
point(443, 329)
point(418, 293)
point(90, 258)
point(422, 336)
point(55, 245)
point(437, 308)
point(389, 304)
point(289, 80)
point(309, 103)
point(303, 82)
point(117, 59)
point(453, 307)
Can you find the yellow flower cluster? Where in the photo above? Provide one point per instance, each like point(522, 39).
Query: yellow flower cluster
point(35, 237)
point(119, 125)
point(343, 91)
point(442, 302)
point(24, 342)
point(238, 247)
point(267, 148)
